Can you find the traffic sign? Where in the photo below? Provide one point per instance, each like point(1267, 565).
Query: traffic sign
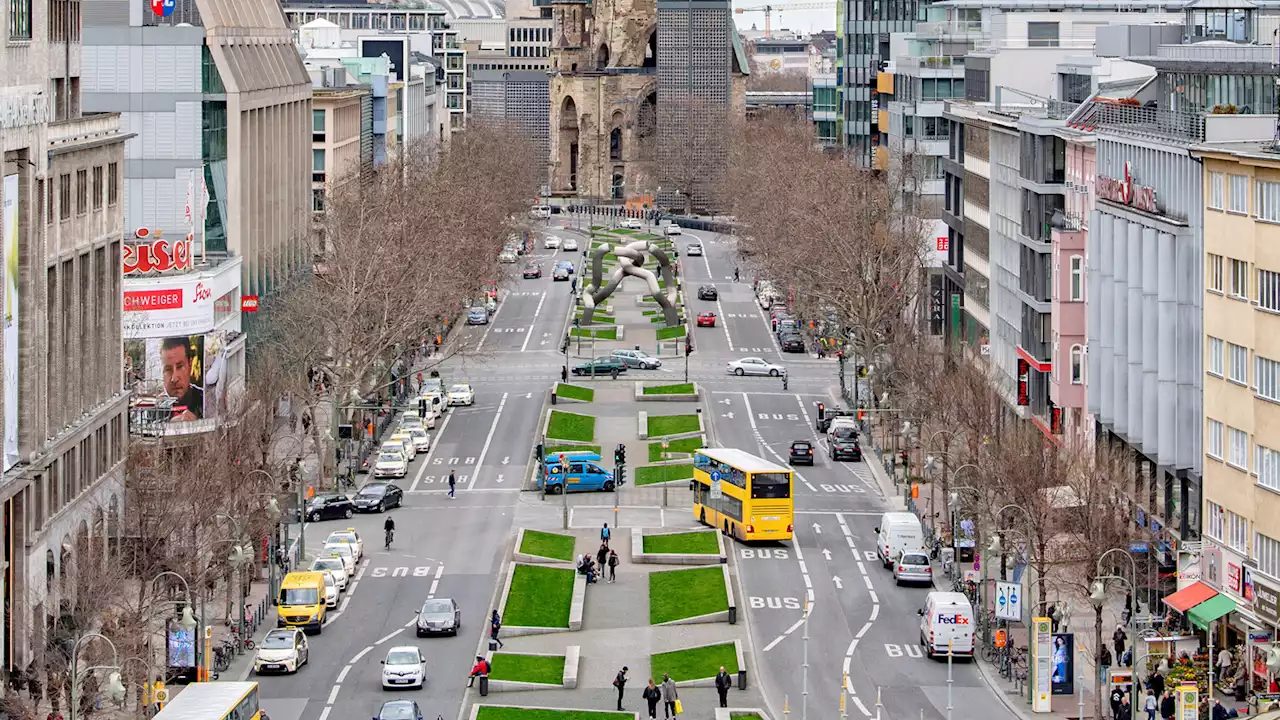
point(1008, 601)
point(715, 476)
point(1137, 547)
point(716, 492)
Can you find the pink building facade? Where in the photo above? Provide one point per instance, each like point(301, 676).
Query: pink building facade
point(1068, 380)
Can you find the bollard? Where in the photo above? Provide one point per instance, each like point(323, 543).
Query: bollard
point(742, 679)
point(553, 398)
point(493, 645)
point(733, 614)
point(484, 686)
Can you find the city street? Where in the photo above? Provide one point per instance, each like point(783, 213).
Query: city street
point(861, 623)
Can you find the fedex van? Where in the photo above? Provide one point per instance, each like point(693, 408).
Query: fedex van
point(947, 625)
point(897, 533)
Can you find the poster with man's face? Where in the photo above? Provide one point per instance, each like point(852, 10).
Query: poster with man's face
point(171, 370)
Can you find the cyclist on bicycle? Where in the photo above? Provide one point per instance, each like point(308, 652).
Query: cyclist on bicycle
point(390, 528)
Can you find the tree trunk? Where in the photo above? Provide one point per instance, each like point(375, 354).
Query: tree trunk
point(1100, 688)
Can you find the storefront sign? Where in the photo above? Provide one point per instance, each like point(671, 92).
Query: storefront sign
point(1266, 602)
point(1024, 381)
point(944, 243)
point(1246, 585)
point(1126, 192)
point(1055, 420)
point(937, 305)
point(1211, 566)
point(24, 105)
point(1188, 569)
point(249, 303)
point(1233, 578)
point(151, 254)
point(162, 307)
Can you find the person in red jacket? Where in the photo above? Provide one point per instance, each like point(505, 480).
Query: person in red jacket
point(480, 668)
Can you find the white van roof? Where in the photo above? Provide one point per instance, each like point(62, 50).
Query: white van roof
point(939, 597)
point(897, 518)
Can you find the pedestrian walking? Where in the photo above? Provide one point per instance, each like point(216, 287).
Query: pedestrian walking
point(723, 683)
point(735, 274)
point(306, 422)
point(1118, 640)
point(453, 482)
point(1126, 708)
point(1117, 697)
point(602, 556)
point(669, 697)
point(1156, 684)
point(495, 624)
point(1150, 705)
point(605, 534)
point(1104, 665)
point(653, 696)
point(613, 565)
point(620, 682)
point(1168, 706)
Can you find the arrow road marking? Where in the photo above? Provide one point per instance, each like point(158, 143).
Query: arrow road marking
point(506, 460)
point(826, 554)
point(726, 401)
point(484, 450)
point(817, 529)
point(500, 478)
point(836, 579)
point(728, 415)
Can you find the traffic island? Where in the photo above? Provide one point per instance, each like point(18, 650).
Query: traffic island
point(678, 392)
point(697, 666)
point(680, 449)
point(525, 712)
point(701, 547)
point(672, 333)
point(538, 599)
point(601, 333)
point(566, 428)
point(670, 427)
point(741, 714)
point(663, 473)
point(535, 546)
point(574, 393)
point(534, 671)
point(688, 597)
point(575, 447)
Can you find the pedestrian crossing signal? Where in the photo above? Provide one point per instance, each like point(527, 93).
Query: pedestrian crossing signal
point(422, 407)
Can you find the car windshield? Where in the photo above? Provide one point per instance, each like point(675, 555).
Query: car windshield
point(402, 657)
point(459, 388)
point(388, 457)
point(338, 549)
point(330, 563)
point(915, 560)
point(397, 711)
point(432, 607)
point(477, 311)
point(298, 596)
point(343, 538)
point(372, 490)
point(278, 640)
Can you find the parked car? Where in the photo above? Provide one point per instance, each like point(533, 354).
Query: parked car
point(531, 271)
point(755, 366)
point(283, 650)
point(637, 359)
point(708, 292)
point(478, 316)
point(329, 506)
point(706, 319)
point(606, 365)
point(801, 453)
point(791, 343)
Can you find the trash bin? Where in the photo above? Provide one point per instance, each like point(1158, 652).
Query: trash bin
point(484, 684)
point(493, 645)
point(553, 397)
point(742, 680)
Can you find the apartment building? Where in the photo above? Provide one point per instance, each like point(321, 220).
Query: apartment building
point(337, 137)
point(825, 107)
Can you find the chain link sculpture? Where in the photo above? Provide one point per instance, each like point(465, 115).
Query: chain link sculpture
point(631, 262)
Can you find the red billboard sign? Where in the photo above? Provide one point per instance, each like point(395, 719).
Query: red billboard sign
point(1024, 380)
point(145, 300)
point(1127, 192)
point(944, 243)
point(248, 303)
point(156, 255)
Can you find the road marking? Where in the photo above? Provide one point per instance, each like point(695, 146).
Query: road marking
point(388, 637)
point(324, 714)
point(529, 334)
point(858, 701)
point(439, 571)
point(487, 441)
point(417, 478)
point(751, 417)
point(361, 654)
point(333, 693)
point(432, 592)
point(863, 631)
point(489, 326)
point(343, 675)
point(767, 326)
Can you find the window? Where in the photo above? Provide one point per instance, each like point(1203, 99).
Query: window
point(19, 19)
point(1214, 268)
point(82, 192)
point(1215, 522)
point(1239, 198)
point(1042, 34)
point(1269, 290)
point(1217, 189)
point(64, 197)
point(1267, 201)
point(1267, 466)
point(1238, 363)
point(1267, 552)
point(113, 184)
point(97, 188)
point(1266, 378)
point(1237, 532)
point(317, 121)
point(1239, 279)
point(1213, 444)
point(317, 199)
point(317, 161)
point(1215, 349)
point(1077, 278)
point(1238, 448)
point(1077, 364)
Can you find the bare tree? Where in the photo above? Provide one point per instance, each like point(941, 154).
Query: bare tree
point(692, 158)
point(777, 81)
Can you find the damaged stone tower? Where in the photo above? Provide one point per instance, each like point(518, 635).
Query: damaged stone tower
point(604, 117)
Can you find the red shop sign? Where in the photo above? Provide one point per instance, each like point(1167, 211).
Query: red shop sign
point(156, 256)
point(249, 303)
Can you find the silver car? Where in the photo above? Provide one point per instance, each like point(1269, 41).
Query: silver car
point(638, 359)
point(439, 616)
point(913, 567)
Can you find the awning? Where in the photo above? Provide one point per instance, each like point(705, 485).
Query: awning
point(1190, 596)
point(1210, 610)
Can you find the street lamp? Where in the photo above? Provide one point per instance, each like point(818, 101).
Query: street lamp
point(1133, 574)
point(115, 689)
point(1098, 598)
point(187, 620)
point(236, 558)
point(273, 511)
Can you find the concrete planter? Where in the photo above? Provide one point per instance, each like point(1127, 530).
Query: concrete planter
point(728, 713)
point(644, 428)
point(710, 682)
point(576, 604)
point(572, 658)
point(638, 555)
point(546, 424)
point(475, 710)
point(528, 559)
point(679, 397)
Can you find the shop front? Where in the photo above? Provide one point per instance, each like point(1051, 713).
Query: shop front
point(1250, 628)
point(1187, 640)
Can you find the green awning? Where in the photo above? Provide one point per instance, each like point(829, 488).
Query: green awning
point(1210, 610)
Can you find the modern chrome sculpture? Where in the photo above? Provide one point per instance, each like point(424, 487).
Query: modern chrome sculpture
point(631, 262)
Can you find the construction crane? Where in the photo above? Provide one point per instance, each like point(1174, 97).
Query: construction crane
point(768, 11)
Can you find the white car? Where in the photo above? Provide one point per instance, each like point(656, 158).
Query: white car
point(405, 439)
point(569, 245)
point(421, 439)
point(755, 366)
point(631, 224)
point(344, 551)
point(282, 650)
point(333, 565)
point(435, 404)
point(404, 667)
point(540, 212)
point(506, 256)
point(410, 420)
point(462, 394)
point(331, 591)
point(551, 242)
point(391, 464)
point(350, 537)
point(674, 229)
point(694, 249)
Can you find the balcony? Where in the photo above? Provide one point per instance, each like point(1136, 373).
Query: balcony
point(938, 66)
point(151, 418)
point(1151, 123)
point(929, 108)
point(1218, 53)
point(948, 29)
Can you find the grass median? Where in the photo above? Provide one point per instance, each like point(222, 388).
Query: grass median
point(663, 425)
point(683, 445)
point(571, 426)
point(652, 474)
point(677, 389)
point(547, 545)
point(575, 392)
point(501, 712)
point(540, 597)
point(680, 594)
point(672, 333)
point(702, 542)
point(697, 663)
point(553, 449)
point(608, 333)
point(541, 669)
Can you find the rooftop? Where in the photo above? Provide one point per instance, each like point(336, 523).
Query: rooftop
point(1265, 150)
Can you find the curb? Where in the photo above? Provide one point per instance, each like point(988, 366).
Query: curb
point(999, 691)
point(527, 559)
point(475, 710)
point(638, 555)
point(673, 397)
point(708, 682)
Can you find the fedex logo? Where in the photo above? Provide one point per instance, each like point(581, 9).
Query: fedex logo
point(953, 620)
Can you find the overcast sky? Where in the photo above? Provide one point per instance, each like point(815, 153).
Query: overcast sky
point(802, 22)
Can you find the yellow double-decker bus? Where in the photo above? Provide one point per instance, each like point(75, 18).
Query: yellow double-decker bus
point(214, 701)
point(754, 498)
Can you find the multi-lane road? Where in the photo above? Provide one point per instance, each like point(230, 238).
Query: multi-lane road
point(861, 623)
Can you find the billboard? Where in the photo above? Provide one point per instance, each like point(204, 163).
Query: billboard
point(174, 305)
point(168, 373)
point(395, 47)
point(10, 219)
point(1064, 664)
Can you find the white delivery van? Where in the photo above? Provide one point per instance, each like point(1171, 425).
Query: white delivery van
point(898, 532)
point(947, 624)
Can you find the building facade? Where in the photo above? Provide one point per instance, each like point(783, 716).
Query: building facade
point(519, 97)
point(1070, 343)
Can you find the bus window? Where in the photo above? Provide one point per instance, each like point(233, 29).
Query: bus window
point(737, 477)
point(702, 462)
point(770, 485)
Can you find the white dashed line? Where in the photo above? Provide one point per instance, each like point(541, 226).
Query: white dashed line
point(388, 637)
point(484, 450)
point(361, 654)
point(529, 334)
point(333, 694)
point(343, 675)
point(864, 630)
point(324, 714)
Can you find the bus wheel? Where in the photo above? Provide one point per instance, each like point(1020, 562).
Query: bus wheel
point(726, 527)
point(609, 486)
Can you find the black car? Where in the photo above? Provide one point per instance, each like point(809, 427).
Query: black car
point(788, 327)
point(708, 292)
point(607, 365)
point(377, 497)
point(791, 343)
point(844, 443)
point(330, 506)
point(439, 616)
point(801, 453)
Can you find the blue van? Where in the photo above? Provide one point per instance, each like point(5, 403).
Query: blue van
point(584, 473)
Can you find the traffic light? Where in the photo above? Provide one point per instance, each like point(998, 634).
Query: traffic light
point(906, 459)
point(688, 345)
point(822, 411)
point(620, 474)
point(422, 407)
point(620, 455)
point(539, 451)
